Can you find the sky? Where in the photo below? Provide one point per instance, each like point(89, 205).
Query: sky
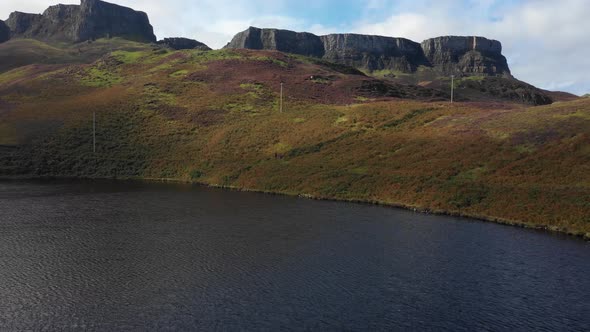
point(546, 41)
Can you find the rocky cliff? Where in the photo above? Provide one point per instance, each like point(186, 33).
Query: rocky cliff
point(92, 19)
point(361, 51)
point(183, 44)
point(23, 24)
point(445, 55)
point(373, 52)
point(279, 40)
point(466, 55)
point(4, 32)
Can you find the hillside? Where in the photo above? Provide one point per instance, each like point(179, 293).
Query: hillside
point(16, 52)
point(213, 117)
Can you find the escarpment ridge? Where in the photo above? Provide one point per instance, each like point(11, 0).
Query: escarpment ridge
point(447, 55)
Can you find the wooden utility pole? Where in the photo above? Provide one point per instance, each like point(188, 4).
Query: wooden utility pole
point(281, 102)
point(94, 132)
point(452, 88)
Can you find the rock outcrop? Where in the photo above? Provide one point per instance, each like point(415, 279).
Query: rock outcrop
point(445, 55)
point(183, 44)
point(373, 53)
point(4, 32)
point(361, 51)
point(23, 24)
point(466, 55)
point(92, 19)
point(279, 40)
point(504, 88)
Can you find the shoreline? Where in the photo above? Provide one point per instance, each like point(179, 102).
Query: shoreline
point(408, 207)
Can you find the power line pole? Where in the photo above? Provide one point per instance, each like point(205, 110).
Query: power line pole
point(94, 132)
point(281, 102)
point(452, 88)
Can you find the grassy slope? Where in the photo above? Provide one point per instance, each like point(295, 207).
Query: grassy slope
point(212, 117)
point(20, 52)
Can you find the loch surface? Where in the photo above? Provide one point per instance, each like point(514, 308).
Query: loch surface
point(119, 256)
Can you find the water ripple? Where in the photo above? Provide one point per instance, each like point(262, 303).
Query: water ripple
point(106, 256)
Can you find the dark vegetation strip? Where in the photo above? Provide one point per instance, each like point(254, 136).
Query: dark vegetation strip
point(408, 117)
point(319, 146)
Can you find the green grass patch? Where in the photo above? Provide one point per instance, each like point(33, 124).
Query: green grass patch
point(128, 57)
point(198, 56)
point(280, 148)
point(411, 115)
point(360, 170)
point(386, 73)
point(580, 113)
point(525, 148)
point(179, 73)
point(270, 59)
point(99, 78)
point(341, 119)
point(239, 107)
point(13, 74)
point(476, 78)
point(154, 96)
point(253, 87)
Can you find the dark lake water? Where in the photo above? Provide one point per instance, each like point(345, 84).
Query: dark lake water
point(117, 256)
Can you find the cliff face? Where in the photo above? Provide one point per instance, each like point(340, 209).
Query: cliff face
point(279, 40)
point(92, 19)
point(361, 51)
point(470, 55)
point(102, 19)
point(4, 32)
point(23, 24)
point(373, 52)
point(183, 44)
point(445, 55)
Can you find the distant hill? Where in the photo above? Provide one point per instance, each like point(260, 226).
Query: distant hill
point(561, 96)
point(183, 44)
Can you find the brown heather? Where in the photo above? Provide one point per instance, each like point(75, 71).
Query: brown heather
point(213, 118)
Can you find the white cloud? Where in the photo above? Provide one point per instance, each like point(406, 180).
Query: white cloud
point(544, 40)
